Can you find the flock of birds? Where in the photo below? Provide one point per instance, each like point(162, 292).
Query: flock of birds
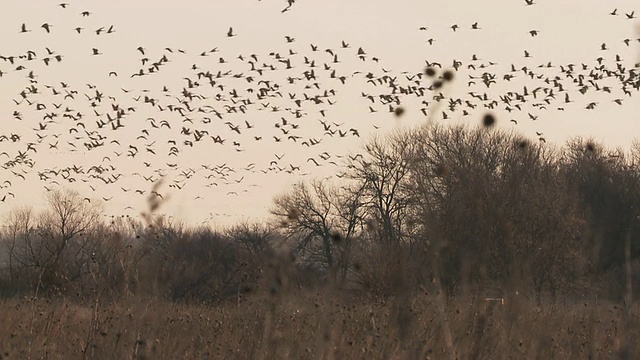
point(243, 102)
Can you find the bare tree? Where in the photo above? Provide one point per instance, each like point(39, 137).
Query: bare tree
point(18, 230)
point(65, 245)
point(493, 206)
point(307, 212)
point(383, 171)
point(608, 185)
point(253, 237)
point(322, 220)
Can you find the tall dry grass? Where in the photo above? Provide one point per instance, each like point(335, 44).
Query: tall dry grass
point(315, 325)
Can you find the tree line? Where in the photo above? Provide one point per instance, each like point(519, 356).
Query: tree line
point(436, 208)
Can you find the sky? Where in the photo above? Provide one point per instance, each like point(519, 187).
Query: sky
point(259, 82)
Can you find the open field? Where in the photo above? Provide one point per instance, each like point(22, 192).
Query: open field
point(318, 325)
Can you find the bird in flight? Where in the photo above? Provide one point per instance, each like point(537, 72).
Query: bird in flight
point(230, 32)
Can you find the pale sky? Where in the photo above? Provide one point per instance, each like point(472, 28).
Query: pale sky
point(568, 32)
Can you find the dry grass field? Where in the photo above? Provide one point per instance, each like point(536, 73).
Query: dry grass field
point(316, 325)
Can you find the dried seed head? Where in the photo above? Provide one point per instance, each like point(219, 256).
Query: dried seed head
point(372, 225)
point(488, 120)
point(293, 214)
point(441, 170)
point(399, 111)
point(590, 147)
point(437, 84)
point(448, 75)
point(336, 237)
point(430, 72)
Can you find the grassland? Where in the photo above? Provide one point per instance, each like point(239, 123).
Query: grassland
point(321, 324)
